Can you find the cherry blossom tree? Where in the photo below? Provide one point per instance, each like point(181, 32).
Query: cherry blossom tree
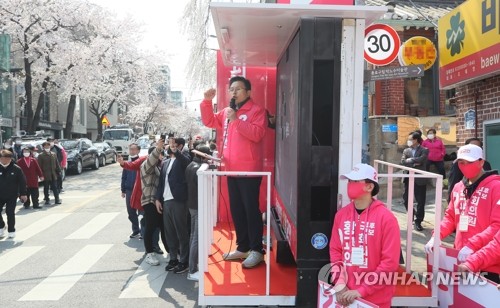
point(35, 27)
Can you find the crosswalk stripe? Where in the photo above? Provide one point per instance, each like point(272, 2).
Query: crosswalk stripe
point(16, 256)
point(93, 226)
point(146, 281)
point(39, 226)
point(62, 279)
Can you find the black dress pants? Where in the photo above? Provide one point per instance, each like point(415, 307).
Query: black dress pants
point(247, 218)
point(420, 194)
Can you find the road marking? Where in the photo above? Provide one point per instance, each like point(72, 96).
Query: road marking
point(70, 209)
point(146, 281)
point(38, 226)
point(93, 226)
point(62, 279)
point(16, 256)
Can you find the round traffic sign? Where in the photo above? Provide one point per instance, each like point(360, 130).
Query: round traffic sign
point(382, 44)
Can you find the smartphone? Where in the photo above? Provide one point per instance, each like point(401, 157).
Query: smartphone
point(164, 137)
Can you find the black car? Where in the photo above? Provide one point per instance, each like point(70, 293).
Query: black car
point(107, 153)
point(81, 154)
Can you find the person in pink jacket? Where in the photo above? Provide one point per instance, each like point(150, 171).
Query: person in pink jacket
point(436, 152)
point(474, 209)
point(244, 124)
point(485, 257)
point(365, 238)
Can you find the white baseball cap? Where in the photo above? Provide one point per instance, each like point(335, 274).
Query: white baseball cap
point(361, 172)
point(470, 152)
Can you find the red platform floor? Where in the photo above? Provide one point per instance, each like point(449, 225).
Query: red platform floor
point(229, 278)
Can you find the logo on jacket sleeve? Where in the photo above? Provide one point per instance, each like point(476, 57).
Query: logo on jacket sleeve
point(243, 117)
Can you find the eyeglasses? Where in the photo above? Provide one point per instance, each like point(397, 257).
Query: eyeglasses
point(236, 89)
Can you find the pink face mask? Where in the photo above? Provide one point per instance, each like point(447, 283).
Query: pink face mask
point(355, 190)
point(471, 170)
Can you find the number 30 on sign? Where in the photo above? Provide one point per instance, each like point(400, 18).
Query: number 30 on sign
point(382, 44)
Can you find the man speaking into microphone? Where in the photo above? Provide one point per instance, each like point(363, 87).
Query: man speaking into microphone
point(244, 125)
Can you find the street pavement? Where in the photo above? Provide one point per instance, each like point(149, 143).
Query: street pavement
point(79, 254)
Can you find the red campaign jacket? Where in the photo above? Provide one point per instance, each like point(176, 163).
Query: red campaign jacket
point(436, 149)
point(135, 198)
point(483, 209)
point(486, 257)
point(32, 173)
point(382, 245)
point(242, 150)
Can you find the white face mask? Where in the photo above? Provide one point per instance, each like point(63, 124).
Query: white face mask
point(8, 145)
point(430, 136)
point(51, 144)
point(18, 142)
point(133, 156)
point(409, 143)
point(47, 150)
point(26, 154)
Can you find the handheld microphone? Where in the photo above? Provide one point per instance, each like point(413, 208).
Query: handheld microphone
point(232, 105)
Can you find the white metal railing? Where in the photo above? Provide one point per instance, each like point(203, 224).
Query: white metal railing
point(411, 175)
point(208, 194)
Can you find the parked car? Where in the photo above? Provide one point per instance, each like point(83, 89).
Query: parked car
point(81, 154)
point(107, 153)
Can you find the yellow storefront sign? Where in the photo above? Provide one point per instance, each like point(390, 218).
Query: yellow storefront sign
point(418, 50)
point(469, 42)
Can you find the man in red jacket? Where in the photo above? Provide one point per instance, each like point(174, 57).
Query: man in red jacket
point(244, 127)
point(32, 172)
point(365, 239)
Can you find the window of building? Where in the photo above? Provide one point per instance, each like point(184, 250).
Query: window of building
point(420, 96)
point(450, 102)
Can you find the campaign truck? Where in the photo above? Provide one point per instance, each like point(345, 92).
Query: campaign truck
point(120, 137)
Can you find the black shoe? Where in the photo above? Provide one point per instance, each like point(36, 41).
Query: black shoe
point(181, 268)
point(37, 207)
point(158, 250)
point(418, 227)
point(172, 264)
point(27, 207)
point(47, 202)
point(58, 201)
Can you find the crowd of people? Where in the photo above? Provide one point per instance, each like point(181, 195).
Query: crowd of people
point(22, 169)
point(162, 188)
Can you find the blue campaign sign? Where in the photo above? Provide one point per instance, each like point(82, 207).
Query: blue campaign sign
point(389, 128)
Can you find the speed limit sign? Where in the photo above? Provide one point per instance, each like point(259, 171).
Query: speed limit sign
point(381, 44)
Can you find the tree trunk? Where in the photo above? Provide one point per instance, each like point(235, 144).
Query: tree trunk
point(29, 97)
point(99, 126)
point(39, 106)
point(69, 117)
